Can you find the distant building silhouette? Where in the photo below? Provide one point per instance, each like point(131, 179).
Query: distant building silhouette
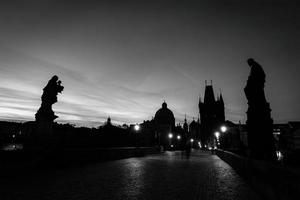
point(212, 114)
point(185, 126)
point(194, 130)
point(165, 124)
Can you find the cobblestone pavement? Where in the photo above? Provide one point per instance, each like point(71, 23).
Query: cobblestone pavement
point(166, 176)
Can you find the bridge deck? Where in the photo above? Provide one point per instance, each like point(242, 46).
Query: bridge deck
point(165, 176)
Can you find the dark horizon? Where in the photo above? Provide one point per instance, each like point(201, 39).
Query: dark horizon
point(123, 59)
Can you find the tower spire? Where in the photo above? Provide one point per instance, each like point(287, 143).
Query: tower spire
point(221, 98)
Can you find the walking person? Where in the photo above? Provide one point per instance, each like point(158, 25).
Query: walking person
point(188, 147)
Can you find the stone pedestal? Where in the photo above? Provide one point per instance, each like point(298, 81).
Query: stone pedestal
point(260, 132)
point(44, 138)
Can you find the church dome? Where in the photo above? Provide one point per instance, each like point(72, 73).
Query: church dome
point(164, 116)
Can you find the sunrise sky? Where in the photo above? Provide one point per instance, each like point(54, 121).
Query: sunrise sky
point(124, 58)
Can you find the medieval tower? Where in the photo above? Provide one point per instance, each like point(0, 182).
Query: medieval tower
point(212, 114)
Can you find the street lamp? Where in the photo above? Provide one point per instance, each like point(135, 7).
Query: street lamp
point(217, 134)
point(192, 140)
point(137, 127)
point(170, 136)
point(223, 129)
point(178, 137)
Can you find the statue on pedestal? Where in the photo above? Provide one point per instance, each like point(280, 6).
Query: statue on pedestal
point(49, 97)
point(259, 121)
point(45, 115)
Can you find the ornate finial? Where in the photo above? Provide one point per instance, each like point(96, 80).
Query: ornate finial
point(108, 120)
point(164, 105)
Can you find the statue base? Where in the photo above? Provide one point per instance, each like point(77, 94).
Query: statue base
point(44, 137)
point(260, 132)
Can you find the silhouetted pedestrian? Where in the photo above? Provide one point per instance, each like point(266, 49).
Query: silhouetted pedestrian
point(188, 147)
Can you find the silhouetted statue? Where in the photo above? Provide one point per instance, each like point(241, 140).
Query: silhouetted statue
point(49, 97)
point(259, 121)
point(254, 89)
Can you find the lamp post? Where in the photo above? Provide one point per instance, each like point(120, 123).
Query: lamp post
point(224, 137)
point(178, 142)
point(136, 128)
point(170, 136)
point(217, 135)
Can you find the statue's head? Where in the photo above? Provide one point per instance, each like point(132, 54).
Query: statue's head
point(251, 61)
point(54, 78)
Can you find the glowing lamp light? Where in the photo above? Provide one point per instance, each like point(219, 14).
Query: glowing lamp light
point(223, 129)
point(199, 143)
point(170, 135)
point(178, 137)
point(217, 134)
point(192, 140)
point(137, 127)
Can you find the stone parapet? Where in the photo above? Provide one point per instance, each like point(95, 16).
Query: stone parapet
point(272, 180)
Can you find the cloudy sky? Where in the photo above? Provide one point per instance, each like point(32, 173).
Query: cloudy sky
point(123, 58)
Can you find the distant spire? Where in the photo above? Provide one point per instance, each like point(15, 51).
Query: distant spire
point(211, 82)
point(108, 120)
point(185, 125)
point(221, 98)
point(205, 82)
